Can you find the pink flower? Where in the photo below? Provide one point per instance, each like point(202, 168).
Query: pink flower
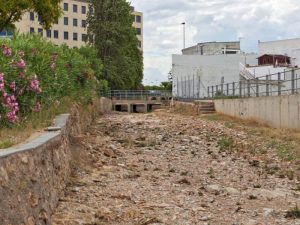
point(21, 64)
point(7, 51)
point(34, 86)
point(13, 86)
point(11, 116)
point(13, 105)
point(1, 86)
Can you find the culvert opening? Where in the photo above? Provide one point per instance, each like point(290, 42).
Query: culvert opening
point(121, 108)
point(139, 108)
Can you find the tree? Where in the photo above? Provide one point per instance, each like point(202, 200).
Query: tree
point(110, 30)
point(165, 86)
point(11, 11)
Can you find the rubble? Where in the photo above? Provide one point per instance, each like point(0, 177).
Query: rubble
point(164, 168)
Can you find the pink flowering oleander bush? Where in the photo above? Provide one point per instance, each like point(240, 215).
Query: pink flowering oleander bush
point(35, 74)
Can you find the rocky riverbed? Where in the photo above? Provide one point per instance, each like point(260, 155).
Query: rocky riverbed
point(164, 168)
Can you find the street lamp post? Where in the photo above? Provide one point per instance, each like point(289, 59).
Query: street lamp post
point(183, 34)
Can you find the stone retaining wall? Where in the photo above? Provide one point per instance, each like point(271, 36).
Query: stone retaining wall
point(33, 175)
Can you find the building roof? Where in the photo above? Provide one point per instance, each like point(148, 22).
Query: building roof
point(212, 42)
point(274, 55)
point(283, 40)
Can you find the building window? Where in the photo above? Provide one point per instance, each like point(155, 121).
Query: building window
point(55, 34)
point(40, 31)
point(48, 33)
point(66, 21)
point(66, 6)
point(31, 30)
point(31, 15)
point(83, 23)
point(83, 9)
point(139, 44)
point(56, 21)
point(84, 37)
point(66, 35)
point(75, 8)
point(75, 22)
point(138, 19)
point(75, 37)
point(39, 18)
point(138, 31)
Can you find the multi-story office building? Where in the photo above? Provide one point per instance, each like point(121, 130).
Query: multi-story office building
point(71, 27)
point(138, 25)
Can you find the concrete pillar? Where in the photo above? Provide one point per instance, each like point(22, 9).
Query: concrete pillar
point(129, 108)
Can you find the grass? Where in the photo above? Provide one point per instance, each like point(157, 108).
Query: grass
point(211, 173)
point(6, 144)
point(32, 124)
point(293, 213)
point(213, 117)
point(285, 142)
point(225, 143)
point(284, 150)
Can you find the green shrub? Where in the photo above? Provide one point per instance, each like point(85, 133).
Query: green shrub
point(35, 73)
point(225, 143)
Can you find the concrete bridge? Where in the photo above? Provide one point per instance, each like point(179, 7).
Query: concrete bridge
point(138, 101)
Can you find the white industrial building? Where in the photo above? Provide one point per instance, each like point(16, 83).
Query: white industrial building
point(208, 65)
point(289, 47)
point(193, 74)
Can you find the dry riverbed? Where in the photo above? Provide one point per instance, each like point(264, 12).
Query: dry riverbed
point(164, 168)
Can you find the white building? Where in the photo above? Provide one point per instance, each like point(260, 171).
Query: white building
point(193, 74)
point(289, 47)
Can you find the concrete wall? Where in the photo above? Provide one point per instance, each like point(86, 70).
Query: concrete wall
point(192, 74)
point(105, 105)
point(276, 111)
point(291, 47)
point(33, 175)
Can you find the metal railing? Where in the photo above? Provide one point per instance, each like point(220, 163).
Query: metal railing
point(137, 94)
point(282, 83)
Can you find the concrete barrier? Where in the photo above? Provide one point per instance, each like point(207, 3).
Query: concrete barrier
point(33, 175)
point(276, 111)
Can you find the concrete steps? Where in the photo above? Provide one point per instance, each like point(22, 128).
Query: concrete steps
point(205, 107)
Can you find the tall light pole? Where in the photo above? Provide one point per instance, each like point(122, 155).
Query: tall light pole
point(183, 24)
point(240, 39)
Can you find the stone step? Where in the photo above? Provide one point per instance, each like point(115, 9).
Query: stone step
point(205, 107)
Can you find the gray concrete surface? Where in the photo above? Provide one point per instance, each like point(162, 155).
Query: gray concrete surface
point(276, 111)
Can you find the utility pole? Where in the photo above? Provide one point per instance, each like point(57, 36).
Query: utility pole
point(183, 34)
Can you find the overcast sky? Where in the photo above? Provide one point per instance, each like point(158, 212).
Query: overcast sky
point(210, 20)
